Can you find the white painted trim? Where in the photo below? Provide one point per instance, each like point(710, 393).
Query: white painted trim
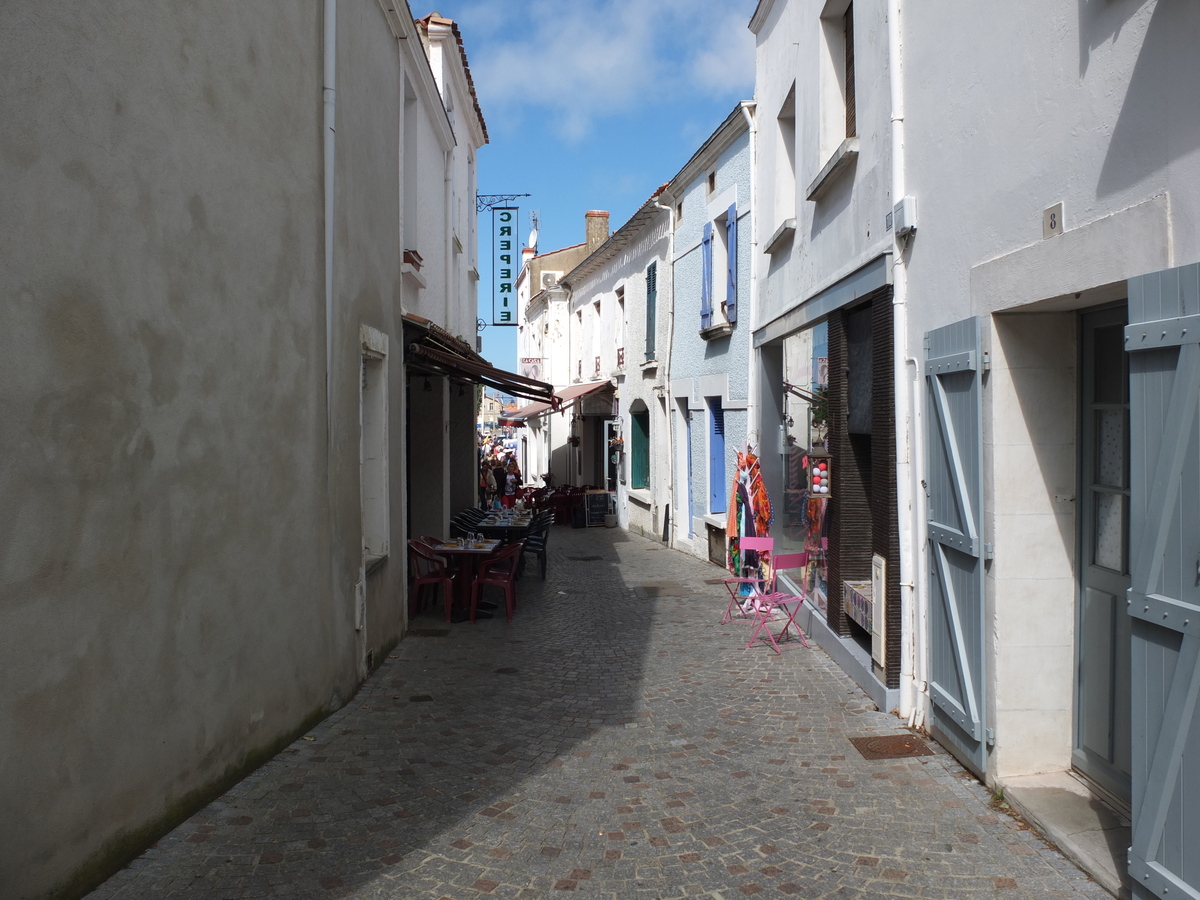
point(1113, 248)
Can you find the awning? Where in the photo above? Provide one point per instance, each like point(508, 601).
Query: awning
point(563, 396)
point(434, 351)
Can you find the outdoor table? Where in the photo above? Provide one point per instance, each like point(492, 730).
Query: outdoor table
point(510, 529)
point(466, 558)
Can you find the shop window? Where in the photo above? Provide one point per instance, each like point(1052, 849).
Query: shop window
point(639, 450)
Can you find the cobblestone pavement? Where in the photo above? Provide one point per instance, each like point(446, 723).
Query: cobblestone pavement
point(616, 741)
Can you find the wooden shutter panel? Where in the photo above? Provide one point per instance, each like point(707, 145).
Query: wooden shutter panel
point(706, 291)
point(731, 265)
point(851, 117)
point(716, 458)
point(651, 309)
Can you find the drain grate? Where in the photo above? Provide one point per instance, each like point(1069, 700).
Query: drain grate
point(714, 580)
point(428, 632)
point(890, 746)
point(420, 698)
point(507, 670)
point(585, 558)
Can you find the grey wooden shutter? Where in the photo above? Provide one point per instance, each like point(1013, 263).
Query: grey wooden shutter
point(956, 554)
point(1163, 340)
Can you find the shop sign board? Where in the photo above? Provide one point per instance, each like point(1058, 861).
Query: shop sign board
point(505, 265)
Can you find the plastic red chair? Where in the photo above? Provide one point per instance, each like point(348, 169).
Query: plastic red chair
point(745, 588)
point(767, 605)
point(499, 570)
point(428, 569)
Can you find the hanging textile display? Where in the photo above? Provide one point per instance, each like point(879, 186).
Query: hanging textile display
point(750, 512)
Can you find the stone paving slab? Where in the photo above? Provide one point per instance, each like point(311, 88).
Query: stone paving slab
point(614, 741)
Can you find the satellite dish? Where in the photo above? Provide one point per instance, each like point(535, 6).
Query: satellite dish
point(532, 242)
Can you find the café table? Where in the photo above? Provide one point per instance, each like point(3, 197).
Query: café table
point(466, 558)
point(507, 528)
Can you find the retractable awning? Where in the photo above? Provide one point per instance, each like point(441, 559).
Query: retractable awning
point(564, 397)
point(434, 351)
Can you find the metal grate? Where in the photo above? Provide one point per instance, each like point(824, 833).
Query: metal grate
point(585, 558)
point(421, 698)
point(428, 632)
point(890, 746)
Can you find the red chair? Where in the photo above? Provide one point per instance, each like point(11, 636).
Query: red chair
point(427, 569)
point(499, 570)
point(746, 588)
point(767, 605)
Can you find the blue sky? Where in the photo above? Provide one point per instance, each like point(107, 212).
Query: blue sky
point(592, 104)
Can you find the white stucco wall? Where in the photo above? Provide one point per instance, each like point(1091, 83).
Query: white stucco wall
point(1098, 109)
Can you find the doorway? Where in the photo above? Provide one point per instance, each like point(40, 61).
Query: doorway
point(1101, 747)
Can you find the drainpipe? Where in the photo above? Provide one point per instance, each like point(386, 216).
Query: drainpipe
point(906, 378)
point(753, 410)
point(670, 210)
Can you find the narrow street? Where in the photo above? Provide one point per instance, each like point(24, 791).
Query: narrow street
point(615, 741)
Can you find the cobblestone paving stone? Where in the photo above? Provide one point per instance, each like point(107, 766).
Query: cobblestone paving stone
point(614, 741)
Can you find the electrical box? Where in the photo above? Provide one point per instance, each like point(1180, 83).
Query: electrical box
point(904, 216)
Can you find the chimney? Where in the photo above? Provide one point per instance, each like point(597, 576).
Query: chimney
point(597, 228)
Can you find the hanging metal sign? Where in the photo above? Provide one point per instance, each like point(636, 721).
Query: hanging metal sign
point(505, 265)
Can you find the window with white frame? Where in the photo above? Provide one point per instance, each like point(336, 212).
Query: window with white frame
point(718, 277)
point(838, 102)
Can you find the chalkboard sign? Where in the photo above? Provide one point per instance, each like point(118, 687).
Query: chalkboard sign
point(595, 504)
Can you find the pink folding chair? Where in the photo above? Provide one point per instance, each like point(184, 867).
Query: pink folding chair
point(789, 604)
point(753, 586)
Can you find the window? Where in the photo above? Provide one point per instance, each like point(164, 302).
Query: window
point(639, 451)
point(373, 446)
point(651, 310)
point(838, 106)
point(785, 159)
point(716, 456)
point(621, 328)
point(718, 278)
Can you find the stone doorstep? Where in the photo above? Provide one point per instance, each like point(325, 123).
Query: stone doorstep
point(1077, 820)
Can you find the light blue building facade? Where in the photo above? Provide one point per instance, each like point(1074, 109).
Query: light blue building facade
point(710, 335)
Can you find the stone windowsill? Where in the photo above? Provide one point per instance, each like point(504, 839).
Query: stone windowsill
point(650, 364)
point(640, 495)
point(372, 562)
point(782, 237)
point(840, 162)
point(716, 521)
point(412, 275)
point(713, 332)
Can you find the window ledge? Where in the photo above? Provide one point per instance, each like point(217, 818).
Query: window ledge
point(713, 332)
point(649, 364)
point(640, 495)
point(372, 562)
point(782, 237)
point(412, 275)
point(840, 162)
point(716, 521)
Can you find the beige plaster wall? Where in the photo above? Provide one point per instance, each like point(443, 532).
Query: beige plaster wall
point(1030, 435)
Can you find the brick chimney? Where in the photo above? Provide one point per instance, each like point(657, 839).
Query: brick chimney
point(596, 221)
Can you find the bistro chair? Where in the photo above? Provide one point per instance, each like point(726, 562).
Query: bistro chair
point(745, 588)
point(499, 570)
point(539, 536)
point(779, 601)
point(427, 570)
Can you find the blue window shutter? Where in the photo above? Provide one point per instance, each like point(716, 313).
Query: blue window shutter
point(651, 309)
point(731, 265)
point(706, 273)
point(716, 457)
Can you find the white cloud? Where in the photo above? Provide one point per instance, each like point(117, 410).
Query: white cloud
point(577, 62)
